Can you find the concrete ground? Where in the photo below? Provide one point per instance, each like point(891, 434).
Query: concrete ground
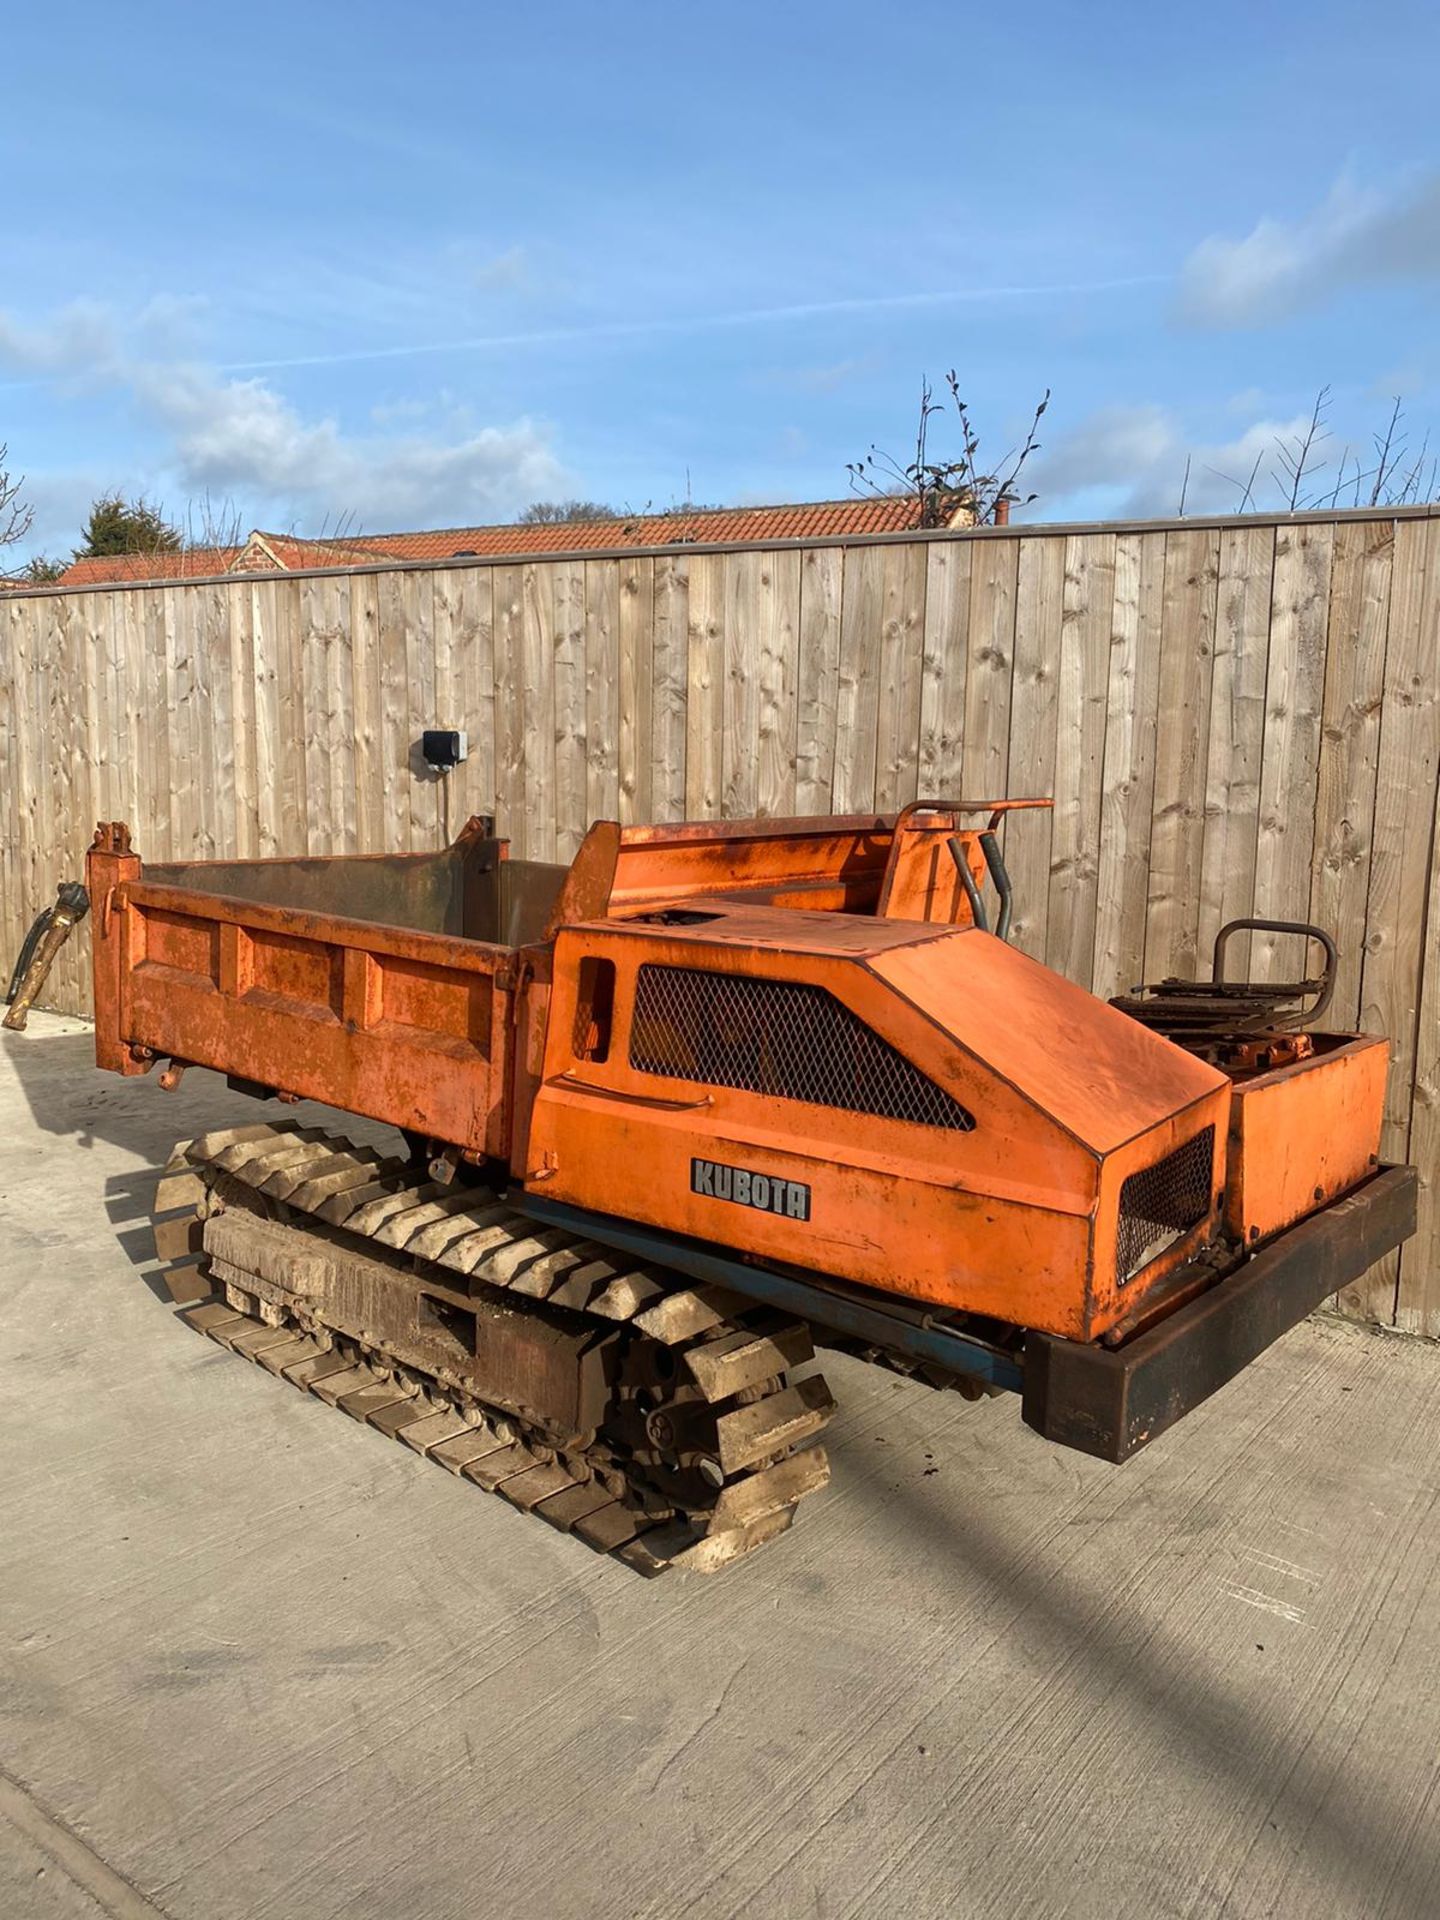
point(255, 1661)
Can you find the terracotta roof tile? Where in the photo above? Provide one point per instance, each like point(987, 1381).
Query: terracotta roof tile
point(193, 564)
point(805, 520)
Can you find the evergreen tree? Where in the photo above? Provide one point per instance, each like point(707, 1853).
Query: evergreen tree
point(118, 525)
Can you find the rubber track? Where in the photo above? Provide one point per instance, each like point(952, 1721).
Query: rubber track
point(736, 1344)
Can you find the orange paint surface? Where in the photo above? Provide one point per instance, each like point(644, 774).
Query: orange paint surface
point(968, 1144)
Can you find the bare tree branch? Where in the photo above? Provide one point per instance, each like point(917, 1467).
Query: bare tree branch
point(17, 516)
point(1295, 456)
point(1383, 447)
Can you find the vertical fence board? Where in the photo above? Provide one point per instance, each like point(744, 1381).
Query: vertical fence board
point(705, 679)
point(176, 637)
point(1034, 721)
point(1358, 629)
point(945, 654)
point(268, 751)
point(540, 733)
point(778, 631)
point(392, 729)
point(902, 630)
point(634, 585)
point(329, 714)
point(448, 706)
point(1181, 751)
point(1128, 786)
point(116, 787)
point(475, 656)
point(857, 691)
point(1236, 734)
point(446, 703)
point(417, 603)
point(669, 704)
point(748, 607)
point(204, 664)
point(569, 680)
point(66, 709)
point(509, 705)
point(365, 700)
point(604, 691)
point(289, 650)
point(216, 639)
point(1083, 696)
point(572, 642)
point(160, 743)
point(822, 574)
point(993, 573)
point(1290, 758)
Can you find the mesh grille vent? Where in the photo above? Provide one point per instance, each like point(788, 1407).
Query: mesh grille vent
point(778, 1037)
point(1160, 1204)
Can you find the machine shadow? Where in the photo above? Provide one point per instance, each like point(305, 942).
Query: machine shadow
point(70, 1098)
point(1211, 1723)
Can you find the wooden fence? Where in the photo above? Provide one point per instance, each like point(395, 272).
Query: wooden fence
point(1234, 717)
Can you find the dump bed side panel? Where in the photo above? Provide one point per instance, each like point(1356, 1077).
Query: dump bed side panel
point(395, 1024)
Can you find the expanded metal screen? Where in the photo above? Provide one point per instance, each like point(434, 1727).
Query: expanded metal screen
point(785, 1038)
point(1161, 1203)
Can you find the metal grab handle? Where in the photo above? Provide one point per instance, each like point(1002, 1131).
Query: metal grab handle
point(967, 880)
point(993, 807)
point(1303, 930)
point(575, 1084)
point(1000, 874)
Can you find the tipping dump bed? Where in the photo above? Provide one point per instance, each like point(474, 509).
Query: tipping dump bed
point(378, 983)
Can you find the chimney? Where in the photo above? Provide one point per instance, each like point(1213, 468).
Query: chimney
point(1002, 512)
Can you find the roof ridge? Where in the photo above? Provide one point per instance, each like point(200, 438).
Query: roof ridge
point(603, 520)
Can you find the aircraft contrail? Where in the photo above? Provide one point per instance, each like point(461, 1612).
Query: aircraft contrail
point(696, 323)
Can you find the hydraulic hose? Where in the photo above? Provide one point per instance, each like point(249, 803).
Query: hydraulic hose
point(46, 937)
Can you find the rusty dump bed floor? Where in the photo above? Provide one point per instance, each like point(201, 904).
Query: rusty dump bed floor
point(464, 891)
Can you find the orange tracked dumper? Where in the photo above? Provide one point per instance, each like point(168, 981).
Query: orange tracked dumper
point(708, 1097)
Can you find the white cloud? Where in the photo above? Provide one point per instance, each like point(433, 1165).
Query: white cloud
point(1108, 449)
point(1356, 237)
point(78, 342)
point(241, 439)
point(510, 271)
point(1129, 463)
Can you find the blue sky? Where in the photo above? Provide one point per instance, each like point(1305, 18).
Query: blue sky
point(421, 265)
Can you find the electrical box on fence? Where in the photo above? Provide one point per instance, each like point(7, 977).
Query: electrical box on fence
point(443, 748)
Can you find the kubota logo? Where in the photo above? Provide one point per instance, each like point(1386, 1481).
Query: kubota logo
point(766, 1192)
